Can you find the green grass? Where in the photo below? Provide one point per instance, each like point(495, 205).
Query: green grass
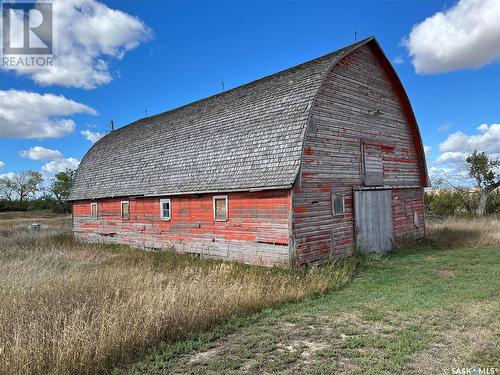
point(411, 311)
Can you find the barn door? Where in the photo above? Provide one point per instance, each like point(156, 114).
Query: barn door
point(373, 216)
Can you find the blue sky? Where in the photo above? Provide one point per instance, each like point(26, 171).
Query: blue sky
point(160, 55)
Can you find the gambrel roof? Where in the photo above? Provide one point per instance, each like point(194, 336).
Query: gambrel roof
point(244, 139)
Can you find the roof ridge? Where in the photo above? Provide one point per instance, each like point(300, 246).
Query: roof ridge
point(196, 160)
point(223, 93)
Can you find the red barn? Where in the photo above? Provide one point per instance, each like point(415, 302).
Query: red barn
point(295, 167)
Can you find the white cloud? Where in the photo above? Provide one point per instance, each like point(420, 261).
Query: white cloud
point(455, 174)
point(26, 114)
point(465, 36)
point(60, 165)
point(92, 136)
point(488, 140)
point(9, 175)
point(451, 157)
point(398, 60)
point(444, 127)
point(436, 172)
point(40, 153)
point(2, 164)
point(90, 35)
point(458, 145)
point(427, 149)
point(455, 142)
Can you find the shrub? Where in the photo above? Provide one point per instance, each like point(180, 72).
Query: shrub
point(6, 205)
point(493, 203)
point(458, 202)
point(43, 203)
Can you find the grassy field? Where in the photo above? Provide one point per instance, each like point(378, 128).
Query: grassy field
point(429, 309)
point(67, 307)
point(408, 313)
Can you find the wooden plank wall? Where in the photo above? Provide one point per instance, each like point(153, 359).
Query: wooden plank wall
point(406, 203)
point(356, 104)
point(257, 231)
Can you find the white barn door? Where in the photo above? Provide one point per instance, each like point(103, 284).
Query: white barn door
point(373, 217)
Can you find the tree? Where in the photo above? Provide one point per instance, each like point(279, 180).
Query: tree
point(61, 186)
point(5, 189)
point(21, 185)
point(485, 171)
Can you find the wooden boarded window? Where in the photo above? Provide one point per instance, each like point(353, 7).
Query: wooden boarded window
point(416, 220)
point(373, 172)
point(165, 209)
point(220, 208)
point(338, 204)
point(125, 205)
point(93, 210)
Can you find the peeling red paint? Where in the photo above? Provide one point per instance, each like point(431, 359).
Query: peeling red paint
point(400, 160)
point(309, 174)
point(264, 227)
point(259, 219)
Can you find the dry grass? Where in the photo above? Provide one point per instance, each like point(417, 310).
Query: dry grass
point(68, 307)
point(13, 222)
point(461, 232)
point(412, 311)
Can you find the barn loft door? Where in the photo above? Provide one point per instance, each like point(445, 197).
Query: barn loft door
point(373, 216)
point(373, 174)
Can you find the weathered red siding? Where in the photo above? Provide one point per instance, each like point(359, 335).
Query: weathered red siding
point(344, 118)
point(361, 134)
point(256, 232)
point(405, 204)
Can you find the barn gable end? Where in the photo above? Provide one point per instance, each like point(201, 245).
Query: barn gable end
point(360, 136)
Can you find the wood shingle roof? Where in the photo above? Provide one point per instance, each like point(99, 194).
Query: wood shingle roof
point(247, 138)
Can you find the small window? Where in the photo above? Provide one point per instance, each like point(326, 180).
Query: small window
point(93, 210)
point(220, 208)
point(125, 210)
point(338, 204)
point(165, 209)
point(416, 220)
